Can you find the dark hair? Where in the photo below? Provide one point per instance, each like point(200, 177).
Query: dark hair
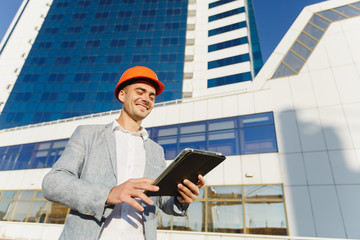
point(134, 80)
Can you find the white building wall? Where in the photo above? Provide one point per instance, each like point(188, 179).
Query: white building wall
point(317, 125)
point(19, 43)
point(196, 85)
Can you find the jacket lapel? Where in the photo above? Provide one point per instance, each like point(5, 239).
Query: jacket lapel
point(111, 143)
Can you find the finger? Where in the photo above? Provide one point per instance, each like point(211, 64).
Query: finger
point(132, 202)
point(201, 181)
point(186, 193)
point(143, 198)
point(192, 187)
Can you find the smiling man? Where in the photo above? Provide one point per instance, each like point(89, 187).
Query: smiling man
point(104, 170)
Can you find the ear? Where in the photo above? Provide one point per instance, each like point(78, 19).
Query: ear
point(121, 95)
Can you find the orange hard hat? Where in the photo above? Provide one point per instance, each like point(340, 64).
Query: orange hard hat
point(138, 72)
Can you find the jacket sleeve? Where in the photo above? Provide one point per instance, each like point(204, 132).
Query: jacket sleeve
point(171, 206)
point(64, 185)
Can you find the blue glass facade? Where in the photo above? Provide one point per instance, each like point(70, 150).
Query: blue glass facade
point(254, 56)
point(257, 61)
point(84, 46)
point(231, 136)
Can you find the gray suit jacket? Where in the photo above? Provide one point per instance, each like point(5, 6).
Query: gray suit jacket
point(86, 172)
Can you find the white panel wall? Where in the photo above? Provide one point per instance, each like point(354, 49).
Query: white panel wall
point(19, 44)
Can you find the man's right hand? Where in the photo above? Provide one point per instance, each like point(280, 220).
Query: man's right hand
point(132, 188)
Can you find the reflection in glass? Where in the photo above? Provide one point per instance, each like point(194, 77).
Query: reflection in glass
point(293, 61)
point(170, 146)
point(348, 11)
point(313, 31)
point(265, 218)
point(331, 15)
point(193, 128)
point(38, 212)
point(5, 207)
point(225, 217)
point(301, 50)
point(42, 146)
point(59, 144)
point(167, 131)
point(196, 140)
point(57, 214)
point(263, 191)
point(9, 195)
point(220, 125)
point(258, 139)
point(26, 195)
point(21, 209)
point(39, 159)
point(39, 195)
point(320, 22)
point(256, 120)
point(164, 220)
point(282, 71)
point(224, 192)
point(308, 41)
point(194, 221)
point(223, 141)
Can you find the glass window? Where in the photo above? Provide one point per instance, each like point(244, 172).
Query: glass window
point(195, 140)
point(194, 220)
point(263, 191)
point(225, 209)
point(348, 11)
point(265, 218)
point(164, 220)
point(241, 77)
point(219, 3)
point(20, 211)
point(60, 144)
point(320, 22)
point(225, 217)
point(227, 44)
point(39, 211)
point(5, 209)
point(301, 50)
point(57, 214)
point(9, 195)
point(224, 141)
point(293, 61)
point(313, 31)
point(283, 71)
point(227, 28)
point(38, 159)
point(193, 128)
point(26, 195)
point(331, 15)
point(224, 192)
point(9, 160)
point(226, 14)
point(229, 61)
point(307, 41)
point(258, 139)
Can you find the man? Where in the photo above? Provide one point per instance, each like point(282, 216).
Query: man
point(104, 169)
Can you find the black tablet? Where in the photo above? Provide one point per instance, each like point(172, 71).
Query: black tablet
point(187, 165)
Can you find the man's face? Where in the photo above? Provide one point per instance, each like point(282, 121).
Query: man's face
point(138, 100)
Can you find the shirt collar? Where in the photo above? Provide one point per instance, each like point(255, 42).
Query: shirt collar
point(142, 132)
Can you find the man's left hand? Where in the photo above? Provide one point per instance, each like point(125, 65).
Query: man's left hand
point(189, 191)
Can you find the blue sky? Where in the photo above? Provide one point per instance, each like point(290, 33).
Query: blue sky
point(273, 18)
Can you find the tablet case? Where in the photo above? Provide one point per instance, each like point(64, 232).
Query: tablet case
point(187, 165)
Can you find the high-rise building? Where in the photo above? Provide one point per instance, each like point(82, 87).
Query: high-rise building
point(76, 50)
point(289, 128)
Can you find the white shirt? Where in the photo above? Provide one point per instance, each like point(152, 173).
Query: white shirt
point(125, 222)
